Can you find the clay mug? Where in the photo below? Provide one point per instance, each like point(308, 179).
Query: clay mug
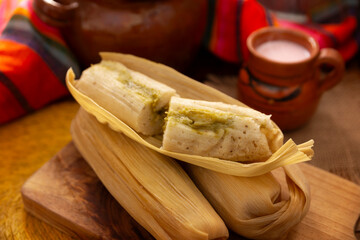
point(287, 86)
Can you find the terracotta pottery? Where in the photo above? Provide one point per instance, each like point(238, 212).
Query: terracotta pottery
point(289, 91)
point(166, 31)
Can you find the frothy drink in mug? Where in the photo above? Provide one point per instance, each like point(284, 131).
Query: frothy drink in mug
point(283, 76)
point(283, 51)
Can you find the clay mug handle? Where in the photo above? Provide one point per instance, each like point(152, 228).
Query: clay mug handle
point(55, 13)
point(331, 57)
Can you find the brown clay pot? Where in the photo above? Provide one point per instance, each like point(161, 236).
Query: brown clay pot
point(166, 31)
point(290, 92)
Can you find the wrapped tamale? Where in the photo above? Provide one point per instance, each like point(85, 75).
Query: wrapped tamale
point(151, 187)
point(253, 207)
point(136, 99)
point(220, 130)
point(250, 206)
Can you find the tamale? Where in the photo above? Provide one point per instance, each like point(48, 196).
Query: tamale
point(153, 188)
point(216, 129)
point(253, 207)
point(289, 153)
point(134, 98)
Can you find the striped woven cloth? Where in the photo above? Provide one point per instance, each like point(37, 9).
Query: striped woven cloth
point(230, 22)
point(33, 61)
point(339, 36)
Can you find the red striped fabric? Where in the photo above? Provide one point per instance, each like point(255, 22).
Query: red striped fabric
point(224, 34)
point(234, 21)
point(18, 63)
point(254, 16)
point(33, 62)
point(10, 107)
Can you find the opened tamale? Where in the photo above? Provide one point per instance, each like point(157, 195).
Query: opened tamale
point(153, 188)
point(289, 153)
point(216, 129)
point(133, 97)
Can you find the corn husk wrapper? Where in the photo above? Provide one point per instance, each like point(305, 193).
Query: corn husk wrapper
point(252, 207)
point(288, 154)
point(151, 187)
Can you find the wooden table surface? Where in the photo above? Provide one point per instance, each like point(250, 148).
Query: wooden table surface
point(26, 144)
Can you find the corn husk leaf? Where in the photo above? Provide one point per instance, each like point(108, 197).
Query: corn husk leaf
point(151, 187)
point(252, 207)
point(186, 87)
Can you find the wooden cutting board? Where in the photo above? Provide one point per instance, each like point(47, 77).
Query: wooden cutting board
point(67, 194)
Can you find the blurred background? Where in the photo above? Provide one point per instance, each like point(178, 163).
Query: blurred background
point(205, 39)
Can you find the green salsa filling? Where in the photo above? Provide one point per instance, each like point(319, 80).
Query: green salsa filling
point(202, 120)
point(146, 93)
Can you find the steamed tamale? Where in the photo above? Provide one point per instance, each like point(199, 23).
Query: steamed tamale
point(134, 98)
point(153, 188)
point(289, 153)
point(250, 206)
point(216, 129)
point(253, 207)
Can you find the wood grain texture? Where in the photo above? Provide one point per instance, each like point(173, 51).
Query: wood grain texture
point(66, 193)
point(25, 145)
